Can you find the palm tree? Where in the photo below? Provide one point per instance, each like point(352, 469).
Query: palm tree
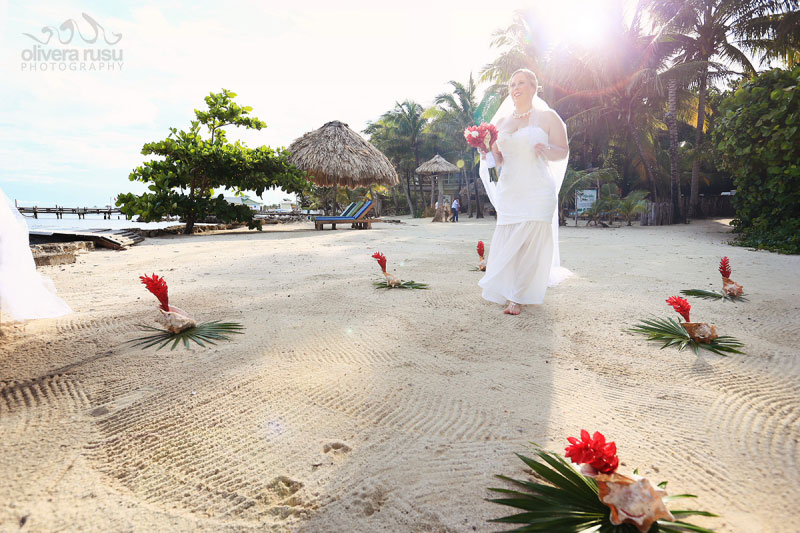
point(616, 91)
point(715, 34)
point(401, 132)
point(632, 205)
point(456, 111)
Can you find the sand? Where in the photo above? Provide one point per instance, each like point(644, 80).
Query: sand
point(344, 408)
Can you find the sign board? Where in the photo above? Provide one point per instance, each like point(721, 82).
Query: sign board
point(584, 199)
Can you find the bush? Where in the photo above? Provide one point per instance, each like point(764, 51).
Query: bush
point(758, 137)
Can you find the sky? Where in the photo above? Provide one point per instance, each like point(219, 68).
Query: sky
point(71, 137)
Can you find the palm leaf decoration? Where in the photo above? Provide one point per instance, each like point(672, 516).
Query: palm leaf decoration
point(713, 295)
point(561, 499)
point(384, 284)
point(209, 332)
point(672, 333)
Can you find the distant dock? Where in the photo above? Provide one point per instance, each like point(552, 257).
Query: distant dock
point(59, 212)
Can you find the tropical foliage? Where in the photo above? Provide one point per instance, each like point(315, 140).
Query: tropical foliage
point(190, 167)
point(758, 138)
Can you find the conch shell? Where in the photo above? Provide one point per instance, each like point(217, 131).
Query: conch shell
point(482, 265)
point(632, 500)
point(700, 331)
point(175, 320)
point(392, 280)
point(731, 288)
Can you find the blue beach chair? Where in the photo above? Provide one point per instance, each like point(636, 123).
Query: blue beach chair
point(355, 214)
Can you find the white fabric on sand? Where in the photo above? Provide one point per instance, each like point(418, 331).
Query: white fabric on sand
point(24, 293)
point(518, 266)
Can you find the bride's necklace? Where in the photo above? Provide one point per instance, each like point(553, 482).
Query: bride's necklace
point(521, 115)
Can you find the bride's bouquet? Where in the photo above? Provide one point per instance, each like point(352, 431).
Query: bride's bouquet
point(483, 137)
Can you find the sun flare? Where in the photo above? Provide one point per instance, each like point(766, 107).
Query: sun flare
point(576, 22)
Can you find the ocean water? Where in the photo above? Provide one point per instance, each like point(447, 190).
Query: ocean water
point(72, 222)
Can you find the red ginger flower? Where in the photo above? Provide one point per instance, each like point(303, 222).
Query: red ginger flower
point(594, 451)
point(681, 305)
point(725, 267)
point(381, 260)
point(157, 286)
point(480, 248)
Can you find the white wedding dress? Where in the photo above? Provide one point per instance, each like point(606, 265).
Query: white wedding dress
point(523, 254)
point(24, 293)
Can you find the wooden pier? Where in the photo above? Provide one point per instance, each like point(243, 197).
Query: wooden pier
point(59, 212)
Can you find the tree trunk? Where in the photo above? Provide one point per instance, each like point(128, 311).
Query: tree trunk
point(395, 202)
point(376, 199)
point(407, 190)
point(646, 163)
point(189, 227)
point(439, 216)
point(587, 161)
point(469, 194)
point(421, 198)
point(335, 194)
point(698, 140)
point(674, 160)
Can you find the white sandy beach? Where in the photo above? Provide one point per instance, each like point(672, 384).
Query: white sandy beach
point(344, 408)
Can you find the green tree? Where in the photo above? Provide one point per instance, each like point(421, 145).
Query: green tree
point(456, 111)
point(632, 205)
point(401, 133)
point(191, 167)
point(714, 34)
point(758, 135)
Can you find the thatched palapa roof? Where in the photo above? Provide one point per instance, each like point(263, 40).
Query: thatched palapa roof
point(436, 165)
point(336, 155)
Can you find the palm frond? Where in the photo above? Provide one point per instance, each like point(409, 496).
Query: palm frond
point(207, 331)
point(671, 333)
point(383, 284)
point(712, 295)
point(562, 499)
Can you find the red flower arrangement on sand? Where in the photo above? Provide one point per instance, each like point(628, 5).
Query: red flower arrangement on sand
point(173, 318)
point(730, 289)
point(593, 498)
point(180, 327)
point(682, 334)
point(392, 281)
point(482, 263)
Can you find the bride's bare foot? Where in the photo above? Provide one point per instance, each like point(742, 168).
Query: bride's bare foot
point(512, 309)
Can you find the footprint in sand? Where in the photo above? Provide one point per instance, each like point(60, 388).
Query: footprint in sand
point(336, 447)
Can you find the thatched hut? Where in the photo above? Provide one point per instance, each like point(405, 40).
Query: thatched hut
point(334, 155)
point(437, 166)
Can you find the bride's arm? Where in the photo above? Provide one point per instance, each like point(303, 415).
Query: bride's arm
point(557, 146)
point(498, 157)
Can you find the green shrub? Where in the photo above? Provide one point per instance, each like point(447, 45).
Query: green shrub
point(758, 137)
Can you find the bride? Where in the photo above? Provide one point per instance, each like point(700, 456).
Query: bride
point(24, 293)
point(532, 150)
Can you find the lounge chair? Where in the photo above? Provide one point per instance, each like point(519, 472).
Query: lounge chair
point(354, 214)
